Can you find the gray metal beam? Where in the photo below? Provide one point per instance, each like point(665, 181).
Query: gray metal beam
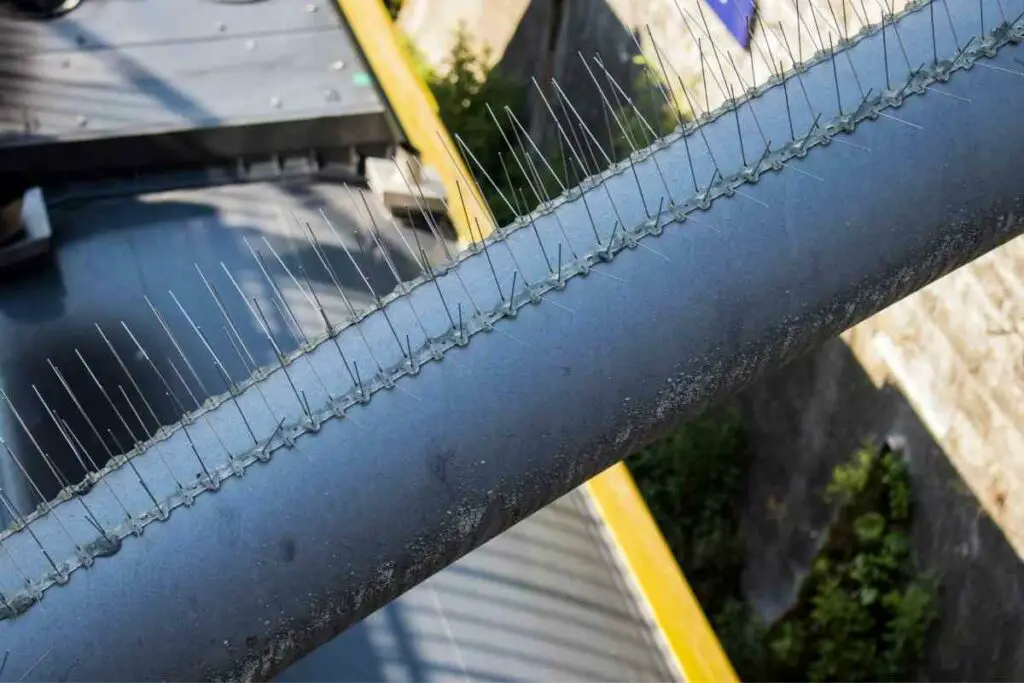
point(526, 393)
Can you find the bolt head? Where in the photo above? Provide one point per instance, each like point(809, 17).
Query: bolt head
point(337, 65)
point(275, 102)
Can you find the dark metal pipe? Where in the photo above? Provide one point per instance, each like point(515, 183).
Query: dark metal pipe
point(640, 328)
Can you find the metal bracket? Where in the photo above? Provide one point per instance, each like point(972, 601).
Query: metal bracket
point(28, 223)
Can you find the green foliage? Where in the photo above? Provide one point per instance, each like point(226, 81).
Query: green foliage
point(691, 480)
point(863, 612)
point(636, 125)
point(469, 85)
point(463, 94)
point(393, 7)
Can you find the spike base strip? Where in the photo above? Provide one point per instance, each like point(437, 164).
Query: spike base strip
point(543, 403)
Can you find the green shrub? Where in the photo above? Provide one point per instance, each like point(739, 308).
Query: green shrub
point(393, 7)
point(462, 95)
point(863, 612)
point(692, 480)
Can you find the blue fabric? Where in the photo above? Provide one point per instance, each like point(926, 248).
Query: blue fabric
point(736, 15)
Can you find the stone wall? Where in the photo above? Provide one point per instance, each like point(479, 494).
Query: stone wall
point(941, 373)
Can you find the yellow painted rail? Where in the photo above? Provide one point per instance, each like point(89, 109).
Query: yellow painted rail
point(416, 110)
point(654, 571)
point(696, 649)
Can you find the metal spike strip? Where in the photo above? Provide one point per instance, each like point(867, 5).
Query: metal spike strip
point(586, 226)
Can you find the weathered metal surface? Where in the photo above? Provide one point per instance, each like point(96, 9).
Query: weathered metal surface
point(542, 601)
point(656, 307)
point(196, 80)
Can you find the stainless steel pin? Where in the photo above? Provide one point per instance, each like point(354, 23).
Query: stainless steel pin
point(703, 79)
point(519, 163)
point(106, 396)
point(60, 571)
point(668, 96)
point(752, 101)
point(540, 155)
point(603, 185)
point(135, 412)
point(623, 129)
point(689, 161)
point(96, 432)
point(497, 188)
point(85, 468)
point(699, 129)
point(798, 72)
point(714, 48)
point(373, 293)
point(287, 314)
point(817, 28)
point(117, 442)
point(61, 479)
point(619, 92)
point(583, 126)
point(44, 501)
point(899, 36)
point(885, 56)
point(512, 293)
point(199, 410)
point(490, 263)
point(789, 111)
point(170, 394)
point(241, 359)
point(177, 347)
point(280, 357)
point(558, 123)
point(687, 18)
point(835, 76)
point(327, 325)
point(228, 384)
point(931, 20)
point(219, 301)
point(17, 568)
point(624, 133)
point(408, 247)
point(739, 132)
point(427, 216)
point(131, 378)
point(505, 242)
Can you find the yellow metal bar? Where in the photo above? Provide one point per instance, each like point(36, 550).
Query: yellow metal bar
point(416, 110)
point(656, 573)
point(653, 569)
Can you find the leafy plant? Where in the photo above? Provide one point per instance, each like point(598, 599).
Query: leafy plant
point(463, 94)
point(863, 612)
point(691, 481)
point(393, 7)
